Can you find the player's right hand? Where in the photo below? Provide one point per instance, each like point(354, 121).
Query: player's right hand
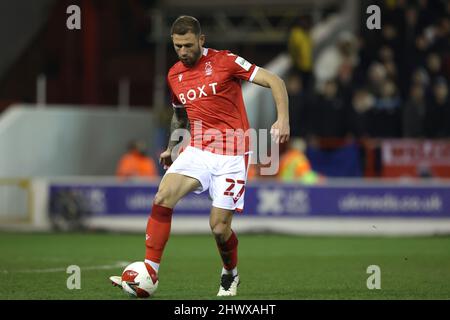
point(165, 158)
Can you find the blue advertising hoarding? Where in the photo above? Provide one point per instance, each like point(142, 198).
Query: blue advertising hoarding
point(272, 200)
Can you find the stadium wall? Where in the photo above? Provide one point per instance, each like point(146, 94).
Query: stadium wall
point(64, 140)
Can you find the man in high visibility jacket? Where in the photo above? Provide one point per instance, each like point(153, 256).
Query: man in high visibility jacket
point(136, 164)
point(294, 166)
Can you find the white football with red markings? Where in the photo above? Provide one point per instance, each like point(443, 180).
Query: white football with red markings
point(139, 280)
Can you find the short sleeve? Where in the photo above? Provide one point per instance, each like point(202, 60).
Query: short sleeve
point(239, 67)
point(175, 102)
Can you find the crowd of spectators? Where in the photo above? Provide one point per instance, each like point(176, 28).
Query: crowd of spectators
point(392, 82)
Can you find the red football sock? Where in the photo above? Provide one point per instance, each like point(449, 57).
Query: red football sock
point(158, 231)
point(228, 252)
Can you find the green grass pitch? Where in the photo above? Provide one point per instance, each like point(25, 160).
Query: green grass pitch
point(271, 267)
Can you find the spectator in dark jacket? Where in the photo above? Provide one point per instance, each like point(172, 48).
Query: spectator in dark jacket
point(362, 106)
point(387, 112)
point(414, 113)
point(437, 116)
point(328, 112)
point(297, 105)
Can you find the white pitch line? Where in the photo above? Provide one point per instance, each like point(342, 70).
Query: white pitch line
point(119, 264)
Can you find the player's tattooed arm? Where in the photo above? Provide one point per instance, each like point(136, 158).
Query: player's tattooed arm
point(179, 121)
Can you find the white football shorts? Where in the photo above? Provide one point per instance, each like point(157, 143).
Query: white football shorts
point(224, 175)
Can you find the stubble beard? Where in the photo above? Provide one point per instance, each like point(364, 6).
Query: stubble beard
point(191, 62)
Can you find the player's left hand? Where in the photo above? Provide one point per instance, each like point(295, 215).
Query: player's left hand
point(280, 131)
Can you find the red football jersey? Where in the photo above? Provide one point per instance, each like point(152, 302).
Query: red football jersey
point(212, 95)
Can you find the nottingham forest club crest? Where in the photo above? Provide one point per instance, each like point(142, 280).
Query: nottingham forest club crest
point(208, 69)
